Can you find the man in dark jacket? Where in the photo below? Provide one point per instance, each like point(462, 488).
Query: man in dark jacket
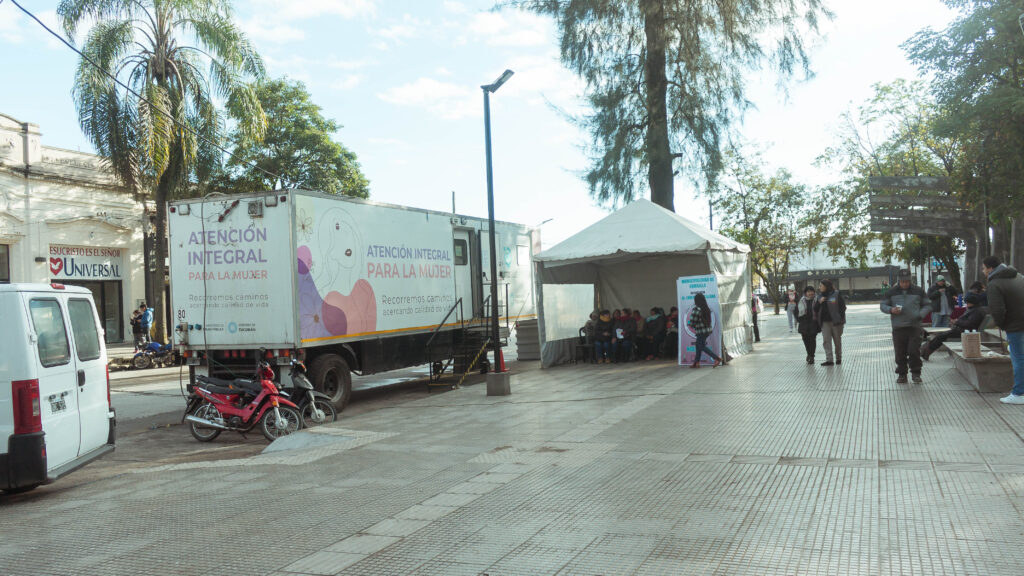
point(943, 297)
point(970, 321)
point(1006, 305)
point(907, 305)
point(807, 324)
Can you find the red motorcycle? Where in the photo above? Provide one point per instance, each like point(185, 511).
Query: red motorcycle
point(239, 405)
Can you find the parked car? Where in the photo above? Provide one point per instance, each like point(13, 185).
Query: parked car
point(55, 412)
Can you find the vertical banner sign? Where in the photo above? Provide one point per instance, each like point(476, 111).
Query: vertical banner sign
point(686, 288)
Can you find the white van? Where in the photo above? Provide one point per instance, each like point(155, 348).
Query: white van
point(55, 413)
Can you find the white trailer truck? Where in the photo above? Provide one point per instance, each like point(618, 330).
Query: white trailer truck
point(350, 285)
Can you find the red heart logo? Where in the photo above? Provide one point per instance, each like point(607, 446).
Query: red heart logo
point(56, 265)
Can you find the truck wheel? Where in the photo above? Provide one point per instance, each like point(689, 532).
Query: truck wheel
point(20, 489)
point(331, 376)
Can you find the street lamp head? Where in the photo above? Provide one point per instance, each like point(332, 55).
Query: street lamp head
point(493, 87)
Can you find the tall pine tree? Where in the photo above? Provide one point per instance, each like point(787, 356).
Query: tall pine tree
point(665, 80)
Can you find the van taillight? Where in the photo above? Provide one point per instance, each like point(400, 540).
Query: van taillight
point(108, 386)
point(27, 416)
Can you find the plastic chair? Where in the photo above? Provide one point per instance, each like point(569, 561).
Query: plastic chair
point(584, 348)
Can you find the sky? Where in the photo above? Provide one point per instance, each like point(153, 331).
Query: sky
point(403, 79)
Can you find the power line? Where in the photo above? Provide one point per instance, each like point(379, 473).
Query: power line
point(143, 98)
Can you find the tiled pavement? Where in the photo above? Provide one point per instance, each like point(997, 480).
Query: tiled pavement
point(767, 466)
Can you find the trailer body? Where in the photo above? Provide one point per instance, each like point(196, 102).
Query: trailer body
point(363, 283)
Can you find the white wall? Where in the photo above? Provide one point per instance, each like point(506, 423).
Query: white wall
point(53, 197)
point(818, 259)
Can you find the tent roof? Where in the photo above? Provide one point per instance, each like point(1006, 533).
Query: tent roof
point(639, 228)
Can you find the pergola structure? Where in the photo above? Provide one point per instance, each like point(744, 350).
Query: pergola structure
point(929, 216)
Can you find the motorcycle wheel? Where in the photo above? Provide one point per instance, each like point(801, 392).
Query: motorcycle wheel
point(268, 424)
point(142, 361)
point(309, 418)
point(200, 432)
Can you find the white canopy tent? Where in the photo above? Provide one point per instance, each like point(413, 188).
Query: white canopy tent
point(632, 258)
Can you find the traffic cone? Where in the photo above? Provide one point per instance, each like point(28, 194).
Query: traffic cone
point(501, 361)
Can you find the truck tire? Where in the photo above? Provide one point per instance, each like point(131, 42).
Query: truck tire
point(331, 376)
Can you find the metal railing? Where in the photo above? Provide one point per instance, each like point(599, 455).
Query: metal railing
point(437, 368)
point(474, 325)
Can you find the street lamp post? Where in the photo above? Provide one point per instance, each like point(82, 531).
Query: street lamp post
point(488, 89)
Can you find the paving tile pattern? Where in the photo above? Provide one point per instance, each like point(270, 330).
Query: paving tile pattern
point(767, 466)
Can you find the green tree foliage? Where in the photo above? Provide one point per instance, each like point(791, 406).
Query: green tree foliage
point(665, 80)
point(160, 144)
point(976, 66)
point(764, 212)
point(892, 134)
point(296, 150)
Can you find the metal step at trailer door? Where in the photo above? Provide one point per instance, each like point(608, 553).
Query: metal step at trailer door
point(467, 350)
point(527, 340)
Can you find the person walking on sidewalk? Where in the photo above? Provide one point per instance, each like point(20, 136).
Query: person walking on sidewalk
point(1006, 305)
point(807, 324)
point(755, 307)
point(792, 301)
point(943, 297)
point(700, 322)
point(971, 320)
point(830, 311)
point(907, 305)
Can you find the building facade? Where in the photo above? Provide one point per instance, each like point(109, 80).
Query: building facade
point(808, 268)
point(860, 284)
point(64, 218)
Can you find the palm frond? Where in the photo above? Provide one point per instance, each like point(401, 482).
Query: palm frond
point(73, 12)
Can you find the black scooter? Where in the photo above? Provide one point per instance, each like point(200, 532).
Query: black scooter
point(314, 407)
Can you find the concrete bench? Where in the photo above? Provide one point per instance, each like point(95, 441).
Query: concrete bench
point(993, 372)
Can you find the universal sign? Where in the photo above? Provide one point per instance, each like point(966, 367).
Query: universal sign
point(85, 263)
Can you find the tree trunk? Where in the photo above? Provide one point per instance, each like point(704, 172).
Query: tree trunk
point(1001, 241)
point(659, 153)
point(159, 278)
point(954, 273)
point(970, 260)
point(1017, 243)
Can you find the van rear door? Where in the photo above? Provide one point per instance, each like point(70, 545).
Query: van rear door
point(91, 373)
point(58, 396)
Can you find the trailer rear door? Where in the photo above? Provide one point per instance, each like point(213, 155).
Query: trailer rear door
point(232, 267)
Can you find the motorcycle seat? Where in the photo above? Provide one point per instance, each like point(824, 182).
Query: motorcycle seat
point(214, 389)
point(236, 386)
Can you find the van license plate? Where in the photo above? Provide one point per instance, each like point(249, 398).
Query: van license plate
point(58, 405)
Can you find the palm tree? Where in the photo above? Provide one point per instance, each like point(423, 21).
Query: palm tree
point(160, 136)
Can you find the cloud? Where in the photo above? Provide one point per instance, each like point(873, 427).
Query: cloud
point(455, 7)
point(395, 34)
point(541, 80)
point(409, 28)
point(445, 100)
point(14, 26)
point(295, 67)
point(347, 82)
point(305, 9)
point(349, 64)
point(11, 25)
point(277, 33)
point(392, 143)
point(511, 28)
